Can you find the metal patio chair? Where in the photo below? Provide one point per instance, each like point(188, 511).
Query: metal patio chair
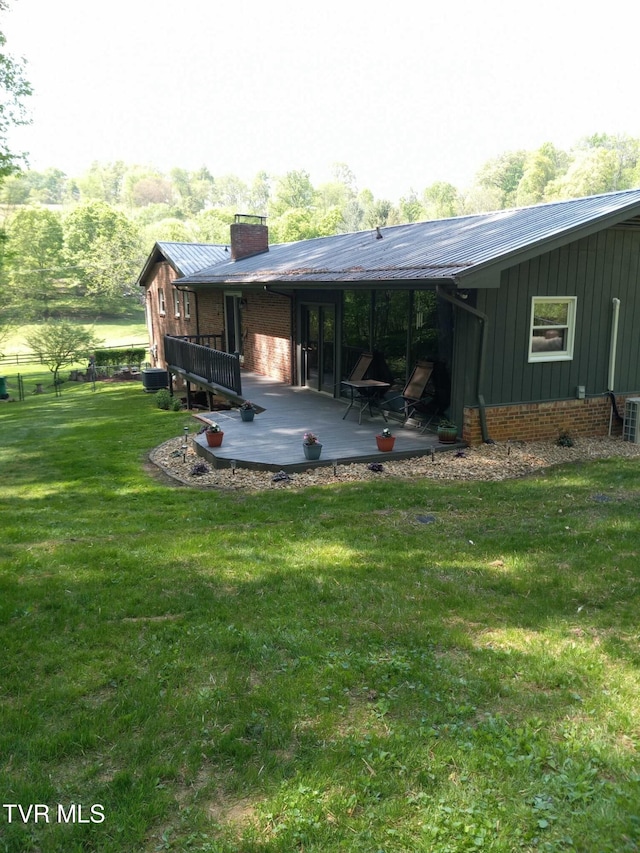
point(418, 395)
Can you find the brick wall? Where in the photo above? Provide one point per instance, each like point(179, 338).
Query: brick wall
point(248, 240)
point(162, 277)
point(542, 421)
point(267, 330)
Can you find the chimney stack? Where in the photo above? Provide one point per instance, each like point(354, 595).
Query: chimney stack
point(248, 238)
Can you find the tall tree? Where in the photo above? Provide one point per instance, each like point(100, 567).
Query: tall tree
point(502, 176)
point(14, 87)
point(293, 191)
point(104, 247)
point(34, 261)
point(441, 200)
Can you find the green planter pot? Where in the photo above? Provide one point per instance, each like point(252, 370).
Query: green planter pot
point(247, 414)
point(447, 435)
point(312, 451)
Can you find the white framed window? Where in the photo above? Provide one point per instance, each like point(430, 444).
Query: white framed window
point(162, 305)
point(176, 302)
point(553, 327)
point(186, 304)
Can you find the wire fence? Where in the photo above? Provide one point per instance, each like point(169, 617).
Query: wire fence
point(32, 381)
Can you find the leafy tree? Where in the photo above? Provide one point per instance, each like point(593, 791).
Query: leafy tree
point(409, 208)
point(59, 343)
point(171, 230)
point(293, 191)
point(212, 226)
point(231, 191)
point(34, 260)
point(591, 172)
point(14, 87)
point(541, 167)
point(193, 189)
point(441, 200)
point(104, 247)
point(502, 176)
point(259, 194)
point(103, 182)
point(377, 213)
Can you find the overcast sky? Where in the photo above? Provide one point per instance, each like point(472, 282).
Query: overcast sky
point(404, 93)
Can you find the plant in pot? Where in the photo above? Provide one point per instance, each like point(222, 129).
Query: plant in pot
point(214, 435)
point(385, 440)
point(247, 411)
point(447, 432)
point(311, 446)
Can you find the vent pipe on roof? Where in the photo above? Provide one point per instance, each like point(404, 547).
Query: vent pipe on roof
point(249, 236)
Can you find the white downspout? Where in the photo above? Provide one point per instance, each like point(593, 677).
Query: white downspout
point(612, 353)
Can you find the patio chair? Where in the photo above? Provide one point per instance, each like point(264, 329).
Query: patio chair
point(361, 367)
point(418, 394)
point(368, 396)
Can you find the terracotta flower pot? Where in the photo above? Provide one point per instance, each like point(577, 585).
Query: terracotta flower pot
point(385, 442)
point(214, 439)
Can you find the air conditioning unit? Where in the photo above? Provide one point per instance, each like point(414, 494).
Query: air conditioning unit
point(631, 427)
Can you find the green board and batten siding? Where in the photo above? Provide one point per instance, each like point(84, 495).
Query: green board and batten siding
point(595, 269)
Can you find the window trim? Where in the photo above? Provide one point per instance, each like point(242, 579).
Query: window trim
point(565, 354)
point(176, 303)
point(162, 305)
point(186, 304)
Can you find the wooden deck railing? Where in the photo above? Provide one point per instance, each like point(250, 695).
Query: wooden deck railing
point(211, 367)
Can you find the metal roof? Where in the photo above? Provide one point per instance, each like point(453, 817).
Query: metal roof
point(453, 250)
point(185, 258)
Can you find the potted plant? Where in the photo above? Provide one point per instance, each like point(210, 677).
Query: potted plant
point(247, 411)
point(447, 432)
point(311, 446)
point(214, 435)
point(385, 440)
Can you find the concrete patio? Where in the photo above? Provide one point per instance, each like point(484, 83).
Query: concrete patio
point(273, 440)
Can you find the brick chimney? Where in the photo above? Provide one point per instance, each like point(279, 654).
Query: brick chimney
point(249, 236)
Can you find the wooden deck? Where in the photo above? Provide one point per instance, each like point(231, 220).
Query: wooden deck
point(273, 440)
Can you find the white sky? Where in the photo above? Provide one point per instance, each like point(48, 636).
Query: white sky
point(404, 93)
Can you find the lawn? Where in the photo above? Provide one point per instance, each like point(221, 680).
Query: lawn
point(391, 666)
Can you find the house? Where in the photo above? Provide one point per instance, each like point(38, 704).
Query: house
point(170, 310)
point(532, 315)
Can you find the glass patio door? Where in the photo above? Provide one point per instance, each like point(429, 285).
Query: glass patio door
point(319, 347)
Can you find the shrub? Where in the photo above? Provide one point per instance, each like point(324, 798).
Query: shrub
point(164, 400)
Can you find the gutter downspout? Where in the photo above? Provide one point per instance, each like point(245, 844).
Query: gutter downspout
point(484, 320)
point(612, 357)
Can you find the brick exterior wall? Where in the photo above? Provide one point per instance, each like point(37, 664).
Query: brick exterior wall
point(267, 330)
point(544, 421)
point(210, 307)
point(266, 322)
point(162, 277)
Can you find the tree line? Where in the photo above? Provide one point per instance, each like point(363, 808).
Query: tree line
point(67, 238)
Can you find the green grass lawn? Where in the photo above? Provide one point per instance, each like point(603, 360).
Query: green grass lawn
point(314, 670)
point(110, 332)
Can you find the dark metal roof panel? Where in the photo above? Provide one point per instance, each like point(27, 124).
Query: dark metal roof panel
point(428, 251)
point(189, 258)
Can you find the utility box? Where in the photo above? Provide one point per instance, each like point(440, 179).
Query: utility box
point(3, 388)
point(154, 378)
